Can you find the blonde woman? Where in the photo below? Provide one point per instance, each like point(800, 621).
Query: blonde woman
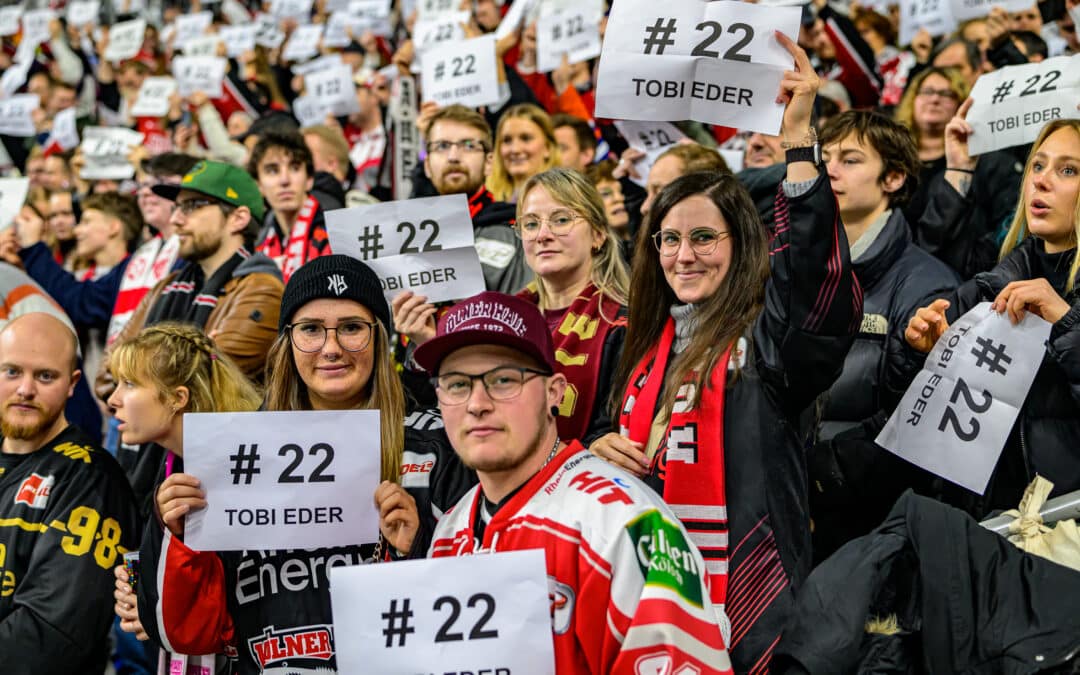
point(1037, 273)
point(932, 99)
point(332, 353)
point(163, 373)
point(524, 146)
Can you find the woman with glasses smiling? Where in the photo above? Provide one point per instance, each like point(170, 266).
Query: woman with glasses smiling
point(733, 332)
point(581, 286)
point(332, 353)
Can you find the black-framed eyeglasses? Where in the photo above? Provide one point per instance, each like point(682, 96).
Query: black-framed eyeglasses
point(560, 222)
point(444, 147)
point(703, 240)
point(190, 206)
point(501, 384)
point(353, 335)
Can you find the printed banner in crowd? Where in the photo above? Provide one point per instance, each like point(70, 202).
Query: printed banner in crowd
point(477, 614)
point(714, 62)
point(305, 478)
point(956, 416)
point(1014, 103)
point(422, 245)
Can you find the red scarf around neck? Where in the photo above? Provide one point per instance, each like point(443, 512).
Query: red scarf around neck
point(579, 349)
point(301, 246)
point(690, 458)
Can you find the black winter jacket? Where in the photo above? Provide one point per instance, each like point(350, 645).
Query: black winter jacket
point(853, 481)
point(1046, 436)
point(813, 308)
point(966, 600)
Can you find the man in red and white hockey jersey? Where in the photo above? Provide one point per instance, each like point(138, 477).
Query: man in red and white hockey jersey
point(628, 590)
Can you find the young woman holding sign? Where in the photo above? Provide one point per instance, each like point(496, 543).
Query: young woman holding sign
point(163, 373)
point(1038, 274)
point(273, 607)
point(733, 332)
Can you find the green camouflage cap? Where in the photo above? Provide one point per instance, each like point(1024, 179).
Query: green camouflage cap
point(224, 182)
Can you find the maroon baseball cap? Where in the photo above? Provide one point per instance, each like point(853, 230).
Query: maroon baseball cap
point(489, 318)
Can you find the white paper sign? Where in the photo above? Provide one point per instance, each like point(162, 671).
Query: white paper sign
point(462, 73)
point(35, 25)
point(207, 45)
point(238, 39)
point(424, 245)
point(956, 416)
point(933, 15)
point(339, 26)
point(575, 33)
point(652, 138)
point(475, 614)
point(371, 15)
point(714, 62)
point(153, 98)
point(335, 87)
point(235, 12)
point(65, 132)
point(125, 40)
point(106, 151)
point(309, 110)
point(268, 32)
point(274, 480)
point(303, 43)
point(962, 10)
point(15, 119)
point(1014, 103)
point(199, 73)
point(191, 26)
point(444, 28)
point(433, 10)
point(9, 19)
point(511, 21)
point(12, 195)
point(83, 12)
point(300, 10)
point(14, 77)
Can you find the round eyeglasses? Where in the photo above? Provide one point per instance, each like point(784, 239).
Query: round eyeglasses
point(703, 240)
point(500, 384)
point(310, 336)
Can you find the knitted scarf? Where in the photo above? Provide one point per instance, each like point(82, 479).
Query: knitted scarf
point(579, 350)
point(190, 297)
point(149, 265)
point(690, 457)
point(306, 241)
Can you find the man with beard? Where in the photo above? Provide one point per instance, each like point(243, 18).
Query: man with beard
point(458, 156)
point(234, 295)
point(67, 514)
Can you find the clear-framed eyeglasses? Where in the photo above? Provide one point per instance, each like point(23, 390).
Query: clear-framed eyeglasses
point(529, 225)
point(703, 240)
point(353, 335)
point(501, 384)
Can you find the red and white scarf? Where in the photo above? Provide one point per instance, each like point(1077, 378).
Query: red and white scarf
point(296, 252)
point(690, 457)
point(148, 265)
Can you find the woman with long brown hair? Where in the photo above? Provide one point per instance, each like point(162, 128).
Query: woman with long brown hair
point(732, 334)
point(332, 353)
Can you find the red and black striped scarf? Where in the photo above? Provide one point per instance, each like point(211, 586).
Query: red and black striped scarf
point(307, 240)
point(690, 455)
point(190, 297)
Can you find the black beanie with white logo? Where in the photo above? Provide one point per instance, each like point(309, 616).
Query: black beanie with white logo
point(334, 276)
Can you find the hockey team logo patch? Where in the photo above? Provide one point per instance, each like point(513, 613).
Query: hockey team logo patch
point(306, 644)
point(35, 490)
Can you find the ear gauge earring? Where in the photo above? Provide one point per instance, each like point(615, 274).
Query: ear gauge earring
point(554, 411)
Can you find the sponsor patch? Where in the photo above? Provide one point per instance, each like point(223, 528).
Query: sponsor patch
point(664, 556)
point(35, 490)
point(310, 644)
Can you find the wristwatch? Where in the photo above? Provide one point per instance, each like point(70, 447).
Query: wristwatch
point(805, 150)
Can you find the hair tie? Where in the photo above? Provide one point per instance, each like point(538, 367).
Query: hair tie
point(213, 356)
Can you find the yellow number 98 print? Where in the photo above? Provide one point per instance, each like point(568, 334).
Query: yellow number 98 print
point(83, 524)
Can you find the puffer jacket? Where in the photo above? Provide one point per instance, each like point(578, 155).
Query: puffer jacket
point(853, 481)
point(1046, 436)
point(243, 323)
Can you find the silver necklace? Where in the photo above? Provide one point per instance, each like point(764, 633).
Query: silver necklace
point(552, 453)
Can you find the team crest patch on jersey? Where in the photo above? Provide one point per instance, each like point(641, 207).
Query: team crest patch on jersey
point(294, 650)
point(562, 605)
point(662, 664)
point(35, 490)
point(665, 556)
